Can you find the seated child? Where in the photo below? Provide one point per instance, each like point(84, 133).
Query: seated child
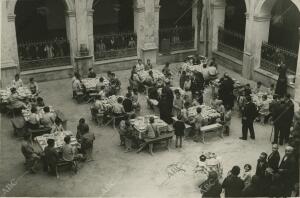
point(135, 100)
point(271, 90)
point(246, 176)
point(258, 87)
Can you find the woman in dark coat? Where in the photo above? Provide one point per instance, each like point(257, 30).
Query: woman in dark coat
point(165, 109)
point(281, 85)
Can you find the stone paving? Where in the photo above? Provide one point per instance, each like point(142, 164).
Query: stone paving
point(118, 174)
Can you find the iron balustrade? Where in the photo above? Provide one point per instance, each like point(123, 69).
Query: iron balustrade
point(177, 38)
point(272, 55)
point(112, 46)
point(231, 43)
point(44, 54)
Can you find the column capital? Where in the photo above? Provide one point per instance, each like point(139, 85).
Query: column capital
point(90, 12)
point(70, 13)
point(11, 17)
point(262, 18)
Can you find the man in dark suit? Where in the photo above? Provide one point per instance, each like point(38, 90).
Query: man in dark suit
point(288, 170)
point(288, 117)
point(278, 120)
point(274, 109)
point(249, 114)
point(274, 158)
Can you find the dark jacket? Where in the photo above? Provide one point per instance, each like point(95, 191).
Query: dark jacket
point(51, 156)
point(211, 190)
point(127, 104)
point(233, 186)
point(250, 111)
point(289, 173)
point(261, 168)
point(179, 127)
point(273, 160)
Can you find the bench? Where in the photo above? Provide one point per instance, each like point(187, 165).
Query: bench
point(211, 128)
point(151, 141)
point(187, 129)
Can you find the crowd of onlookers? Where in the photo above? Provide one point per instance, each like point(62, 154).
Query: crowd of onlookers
point(272, 177)
point(58, 47)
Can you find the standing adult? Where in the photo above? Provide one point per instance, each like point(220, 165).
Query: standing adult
point(249, 114)
point(226, 90)
point(288, 170)
point(281, 86)
point(51, 156)
point(165, 108)
point(288, 116)
point(274, 158)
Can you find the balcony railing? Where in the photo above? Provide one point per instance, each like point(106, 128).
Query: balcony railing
point(37, 55)
point(231, 43)
point(272, 55)
point(114, 46)
point(174, 39)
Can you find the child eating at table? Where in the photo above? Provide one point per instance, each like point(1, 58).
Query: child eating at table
point(188, 96)
point(135, 100)
point(100, 84)
point(57, 126)
point(258, 87)
point(102, 93)
point(271, 90)
point(33, 121)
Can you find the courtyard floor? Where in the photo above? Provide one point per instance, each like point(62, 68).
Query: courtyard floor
point(114, 173)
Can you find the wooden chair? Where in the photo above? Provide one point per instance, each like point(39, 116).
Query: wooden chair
point(69, 164)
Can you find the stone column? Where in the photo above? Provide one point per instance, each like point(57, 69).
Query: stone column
point(248, 56)
point(195, 21)
point(12, 36)
point(149, 48)
point(261, 26)
point(72, 35)
point(216, 21)
point(257, 31)
point(297, 82)
point(83, 58)
point(91, 32)
point(139, 12)
point(9, 48)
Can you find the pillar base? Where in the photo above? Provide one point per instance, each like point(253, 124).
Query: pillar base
point(82, 64)
point(8, 72)
point(149, 51)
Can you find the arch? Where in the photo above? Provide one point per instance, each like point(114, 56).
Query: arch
point(264, 7)
point(11, 4)
point(223, 3)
